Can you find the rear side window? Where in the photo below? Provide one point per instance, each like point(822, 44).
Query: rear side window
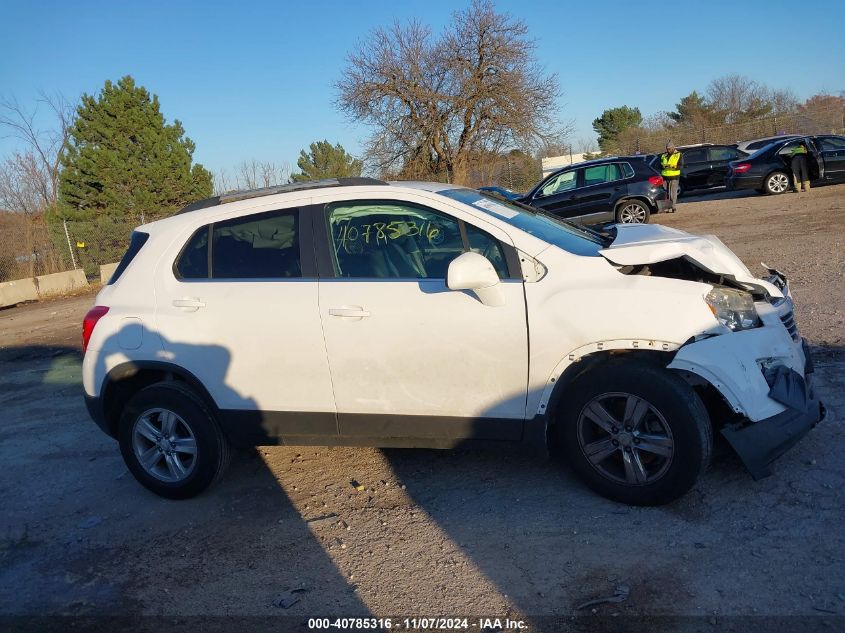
point(695, 156)
point(260, 246)
point(600, 174)
point(135, 244)
point(724, 153)
point(627, 170)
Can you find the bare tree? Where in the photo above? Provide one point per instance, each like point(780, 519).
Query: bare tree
point(252, 174)
point(437, 104)
point(30, 177)
point(737, 98)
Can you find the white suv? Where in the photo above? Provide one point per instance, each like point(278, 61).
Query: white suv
point(359, 312)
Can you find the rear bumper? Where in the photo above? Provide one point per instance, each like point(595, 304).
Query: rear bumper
point(663, 204)
point(760, 443)
point(738, 182)
point(94, 405)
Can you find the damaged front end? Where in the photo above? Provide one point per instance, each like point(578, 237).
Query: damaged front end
point(759, 363)
point(765, 374)
point(760, 443)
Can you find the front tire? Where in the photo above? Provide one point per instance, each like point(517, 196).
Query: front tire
point(776, 183)
point(632, 212)
point(171, 442)
point(635, 432)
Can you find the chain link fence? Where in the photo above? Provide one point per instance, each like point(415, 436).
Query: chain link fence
point(818, 121)
point(31, 245)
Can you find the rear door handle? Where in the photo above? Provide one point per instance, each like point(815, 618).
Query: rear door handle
point(349, 311)
point(189, 305)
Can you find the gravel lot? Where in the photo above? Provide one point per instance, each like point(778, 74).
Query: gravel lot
point(433, 533)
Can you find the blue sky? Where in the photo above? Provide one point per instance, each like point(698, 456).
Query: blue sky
point(254, 79)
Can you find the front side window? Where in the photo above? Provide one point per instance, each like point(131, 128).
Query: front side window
point(260, 246)
point(384, 239)
point(600, 174)
point(560, 183)
point(400, 240)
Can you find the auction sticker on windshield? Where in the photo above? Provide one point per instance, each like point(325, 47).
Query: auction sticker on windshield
point(495, 207)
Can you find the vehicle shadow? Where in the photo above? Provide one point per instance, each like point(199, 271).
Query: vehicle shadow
point(96, 547)
point(719, 193)
point(540, 543)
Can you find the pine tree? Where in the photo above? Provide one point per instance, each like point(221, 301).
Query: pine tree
point(325, 160)
point(613, 122)
point(123, 159)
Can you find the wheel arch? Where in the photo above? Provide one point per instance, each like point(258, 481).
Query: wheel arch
point(638, 198)
point(128, 378)
point(558, 385)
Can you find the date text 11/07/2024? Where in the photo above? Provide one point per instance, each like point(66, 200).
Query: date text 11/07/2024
point(418, 624)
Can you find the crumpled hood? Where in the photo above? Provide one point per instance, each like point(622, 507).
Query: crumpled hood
point(640, 244)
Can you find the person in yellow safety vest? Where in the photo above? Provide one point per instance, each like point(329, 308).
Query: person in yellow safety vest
point(800, 175)
point(670, 169)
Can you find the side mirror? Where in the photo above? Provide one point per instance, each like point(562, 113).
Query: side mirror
point(472, 271)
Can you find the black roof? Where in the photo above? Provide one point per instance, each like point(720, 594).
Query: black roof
point(234, 196)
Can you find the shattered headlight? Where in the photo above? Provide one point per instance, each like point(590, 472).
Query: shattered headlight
point(733, 308)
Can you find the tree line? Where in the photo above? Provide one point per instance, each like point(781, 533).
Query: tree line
point(729, 106)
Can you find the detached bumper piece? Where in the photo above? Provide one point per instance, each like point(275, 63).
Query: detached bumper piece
point(760, 443)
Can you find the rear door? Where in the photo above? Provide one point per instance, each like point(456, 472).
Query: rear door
point(237, 307)
point(558, 194)
point(832, 149)
point(602, 186)
point(695, 168)
point(720, 158)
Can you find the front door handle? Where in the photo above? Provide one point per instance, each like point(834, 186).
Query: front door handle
point(356, 312)
point(188, 305)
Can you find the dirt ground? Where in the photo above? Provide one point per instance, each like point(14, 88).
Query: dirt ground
point(433, 533)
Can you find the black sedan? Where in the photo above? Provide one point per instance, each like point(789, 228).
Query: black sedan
point(703, 166)
point(616, 189)
point(769, 169)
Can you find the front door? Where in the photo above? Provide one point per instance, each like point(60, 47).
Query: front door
point(559, 194)
point(239, 308)
point(410, 358)
point(832, 149)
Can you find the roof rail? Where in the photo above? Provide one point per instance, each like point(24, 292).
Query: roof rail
point(234, 196)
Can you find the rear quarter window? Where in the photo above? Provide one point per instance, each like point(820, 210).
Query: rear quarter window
point(135, 243)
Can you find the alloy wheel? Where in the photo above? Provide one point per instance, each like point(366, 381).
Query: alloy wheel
point(164, 445)
point(632, 213)
point(778, 183)
point(625, 438)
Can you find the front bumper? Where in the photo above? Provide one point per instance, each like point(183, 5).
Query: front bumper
point(759, 443)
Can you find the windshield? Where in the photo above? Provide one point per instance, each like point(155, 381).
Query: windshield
point(570, 237)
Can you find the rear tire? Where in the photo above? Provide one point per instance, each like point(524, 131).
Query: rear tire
point(171, 442)
point(776, 183)
point(632, 212)
point(635, 432)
